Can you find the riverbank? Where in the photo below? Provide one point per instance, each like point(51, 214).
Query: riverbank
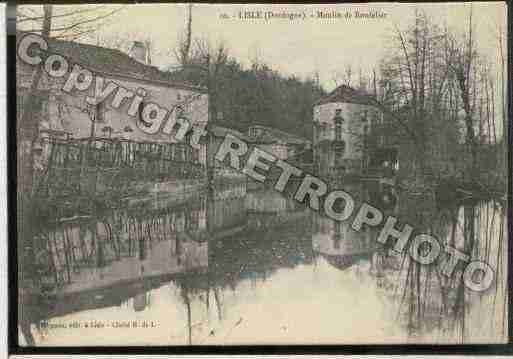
point(447, 190)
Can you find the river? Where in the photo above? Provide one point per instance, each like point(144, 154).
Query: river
point(244, 266)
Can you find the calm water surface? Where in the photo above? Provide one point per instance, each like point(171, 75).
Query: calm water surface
point(254, 267)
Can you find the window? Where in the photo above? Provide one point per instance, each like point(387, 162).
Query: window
point(338, 131)
point(339, 154)
point(140, 115)
point(339, 157)
point(180, 112)
point(321, 131)
point(255, 131)
point(179, 153)
point(100, 113)
point(338, 124)
point(195, 155)
point(339, 236)
point(336, 240)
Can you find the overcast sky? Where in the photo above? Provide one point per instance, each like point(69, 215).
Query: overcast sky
point(298, 47)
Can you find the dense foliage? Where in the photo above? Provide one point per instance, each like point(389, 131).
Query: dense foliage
point(259, 95)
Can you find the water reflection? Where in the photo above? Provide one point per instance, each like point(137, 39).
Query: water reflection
point(231, 267)
point(433, 303)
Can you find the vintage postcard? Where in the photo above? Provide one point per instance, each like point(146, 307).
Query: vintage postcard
point(251, 174)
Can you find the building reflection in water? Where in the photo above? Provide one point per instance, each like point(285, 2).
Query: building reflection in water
point(339, 244)
point(193, 261)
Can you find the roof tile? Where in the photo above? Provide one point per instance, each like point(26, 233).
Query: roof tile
point(348, 94)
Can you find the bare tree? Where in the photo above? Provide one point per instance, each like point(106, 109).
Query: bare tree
point(68, 22)
point(183, 51)
point(406, 74)
point(343, 78)
point(28, 133)
point(503, 84)
point(27, 126)
point(462, 61)
point(211, 58)
point(347, 75)
point(335, 77)
point(51, 22)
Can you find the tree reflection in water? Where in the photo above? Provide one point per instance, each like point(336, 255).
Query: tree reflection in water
point(435, 306)
point(207, 248)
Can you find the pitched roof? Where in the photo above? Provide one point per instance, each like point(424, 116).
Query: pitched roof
point(111, 61)
point(272, 135)
point(343, 262)
point(220, 131)
point(348, 94)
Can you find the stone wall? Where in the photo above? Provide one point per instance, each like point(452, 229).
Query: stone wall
point(71, 113)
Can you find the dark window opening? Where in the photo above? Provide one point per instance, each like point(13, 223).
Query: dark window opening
point(195, 155)
point(338, 131)
point(180, 113)
point(364, 116)
point(100, 113)
point(339, 154)
point(337, 238)
point(140, 115)
point(338, 120)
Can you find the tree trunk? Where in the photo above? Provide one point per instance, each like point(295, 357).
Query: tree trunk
point(28, 134)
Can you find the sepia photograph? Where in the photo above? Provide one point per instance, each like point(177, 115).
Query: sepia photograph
point(193, 174)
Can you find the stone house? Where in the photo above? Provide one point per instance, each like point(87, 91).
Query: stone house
point(346, 132)
point(68, 116)
point(281, 144)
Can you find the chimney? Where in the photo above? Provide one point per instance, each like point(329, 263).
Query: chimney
point(138, 51)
